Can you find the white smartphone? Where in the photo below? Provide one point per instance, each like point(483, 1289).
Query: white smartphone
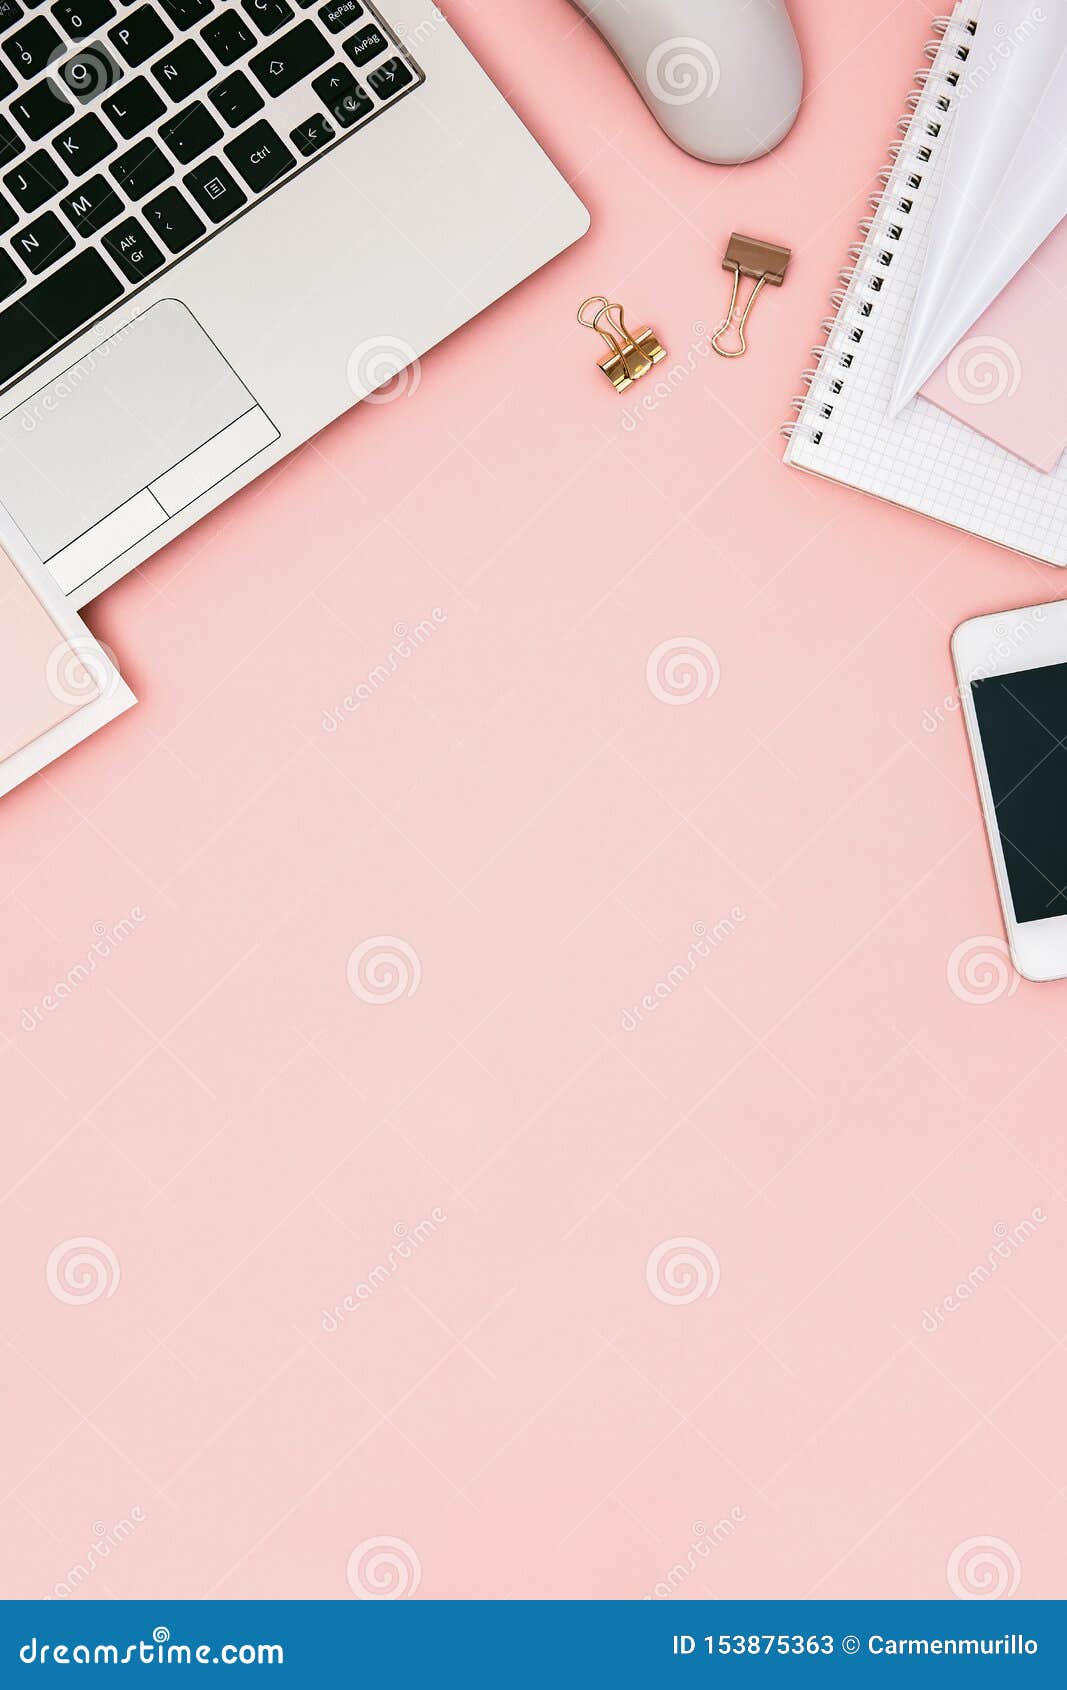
point(1012, 672)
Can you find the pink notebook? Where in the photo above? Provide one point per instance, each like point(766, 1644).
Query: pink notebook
point(1007, 378)
point(42, 679)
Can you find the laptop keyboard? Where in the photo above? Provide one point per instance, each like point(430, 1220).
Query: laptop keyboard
point(131, 134)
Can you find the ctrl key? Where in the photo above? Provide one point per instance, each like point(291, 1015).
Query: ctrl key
point(134, 251)
point(260, 156)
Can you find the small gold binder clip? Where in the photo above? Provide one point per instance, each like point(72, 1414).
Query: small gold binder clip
point(631, 356)
point(766, 265)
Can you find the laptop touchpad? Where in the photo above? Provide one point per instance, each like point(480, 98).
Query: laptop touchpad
point(141, 427)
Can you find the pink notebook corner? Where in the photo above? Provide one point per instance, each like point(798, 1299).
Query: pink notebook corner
point(42, 679)
point(1007, 378)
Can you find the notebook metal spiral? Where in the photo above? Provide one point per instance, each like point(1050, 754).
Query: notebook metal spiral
point(920, 129)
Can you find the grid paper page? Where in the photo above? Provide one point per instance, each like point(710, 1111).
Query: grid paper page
point(923, 458)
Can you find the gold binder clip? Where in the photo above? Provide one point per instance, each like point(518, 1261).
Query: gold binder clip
point(765, 264)
point(630, 356)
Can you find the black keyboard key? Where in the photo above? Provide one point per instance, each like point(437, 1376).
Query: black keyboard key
point(228, 37)
point(92, 206)
point(84, 144)
point(90, 72)
point(10, 142)
point(140, 170)
point(340, 15)
point(8, 215)
point(42, 242)
point(174, 219)
point(235, 99)
point(215, 190)
point(191, 133)
point(259, 156)
point(10, 12)
point(183, 70)
point(48, 313)
point(39, 110)
point(365, 45)
point(290, 58)
point(11, 277)
point(140, 35)
point(33, 47)
point(333, 83)
point(7, 82)
point(268, 15)
point(35, 180)
point(352, 106)
point(338, 89)
point(134, 107)
point(184, 13)
point(81, 17)
point(389, 78)
point(134, 251)
point(312, 136)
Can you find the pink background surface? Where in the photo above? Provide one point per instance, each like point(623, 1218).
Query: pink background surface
point(842, 1112)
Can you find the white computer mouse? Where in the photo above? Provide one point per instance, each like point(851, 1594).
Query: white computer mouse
point(723, 78)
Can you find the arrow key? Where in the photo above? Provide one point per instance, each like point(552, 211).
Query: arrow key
point(308, 137)
point(334, 84)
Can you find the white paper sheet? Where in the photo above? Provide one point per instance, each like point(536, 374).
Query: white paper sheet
point(1005, 187)
point(80, 663)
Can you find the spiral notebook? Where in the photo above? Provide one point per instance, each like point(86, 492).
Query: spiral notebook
point(923, 458)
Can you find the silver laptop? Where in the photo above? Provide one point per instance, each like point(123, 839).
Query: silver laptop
point(221, 225)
